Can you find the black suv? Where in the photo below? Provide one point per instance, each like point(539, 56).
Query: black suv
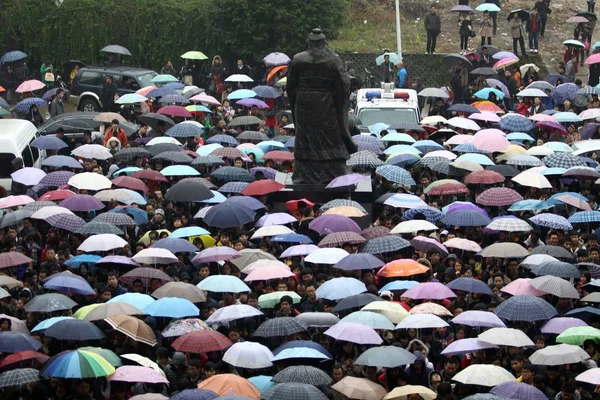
point(86, 88)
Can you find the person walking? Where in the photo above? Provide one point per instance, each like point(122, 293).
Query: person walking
point(534, 24)
point(464, 30)
point(517, 33)
point(486, 26)
point(57, 106)
point(433, 26)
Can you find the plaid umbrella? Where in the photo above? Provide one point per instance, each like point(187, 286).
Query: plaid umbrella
point(233, 187)
point(198, 342)
point(563, 160)
point(56, 178)
point(184, 131)
point(525, 308)
point(114, 218)
point(588, 131)
point(431, 214)
point(267, 172)
point(375, 232)
point(396, 174)
point(98, 227)
point(282, 326)
point(174, 157)
point(364, 159)
point(38, 205)
point(337, 239)
point(342, 203)
point(514, 123)
point(253, 136)
point(518, 390)
point(75, 330)
point(67, 222)
point(582, 217)
point(524, 160)
point(385, 244)
point(302, 374)
point(509, 224)
point(556, 268)
point(470, 285)
point(210, 160)
point(498, 197)
point(552, 221)
point(229, 152)
point(18, 377)
point(231, 174)
point(293, 391)
point(465, 218)
point(223, 140)
point(565, 91)
point(368, 139)
point(131, 153)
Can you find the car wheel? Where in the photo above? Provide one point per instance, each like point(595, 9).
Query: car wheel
point(89, 105)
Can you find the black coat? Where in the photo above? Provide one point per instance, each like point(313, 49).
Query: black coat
point(108, 96)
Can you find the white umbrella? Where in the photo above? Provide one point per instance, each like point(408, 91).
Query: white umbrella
point(328, 256)
point(109, 195)
point(590, 376)
point(467, 165)
point(559, 354)
point(537, 259)
point(233, 312)
point(505, 250)
point(433, 120)
point(403, 200)
point(263, 263)
point(163, 139)
point(102, 242)
point(464, 123)
point(539, 151)
point(459, 139)
point(271, 230)
point(509, 225)
point(414, 225)
point(91, 151)
point(239, 78)
point(483, 375)
point(317, 319)
point(532, 179)
point(422, 321)
point(506, 337)
point(249, 355)
point(392, 311)
point(155, 255)
point(202, 212)
point(462, 244)
point(441, 153)
point(144, 362)
point(90, 181)
point(531, 92)
point(402, 392)
point(49, 211)
point(478, 318)
point(555, 286)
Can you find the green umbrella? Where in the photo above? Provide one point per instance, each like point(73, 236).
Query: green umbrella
point(579, 334)
point(194, 55)
point(270, 300)
point(108, 355)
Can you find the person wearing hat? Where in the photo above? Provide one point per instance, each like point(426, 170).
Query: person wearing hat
point(157, 222)
point(176, 372)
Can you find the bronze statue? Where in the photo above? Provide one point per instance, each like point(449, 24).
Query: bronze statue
point(318, 90)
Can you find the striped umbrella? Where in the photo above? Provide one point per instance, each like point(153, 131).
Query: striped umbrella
point(78, 364)
point(525, 308)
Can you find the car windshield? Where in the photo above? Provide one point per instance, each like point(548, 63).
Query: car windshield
point(388, 116)
point(146, 79)
point(6, 167)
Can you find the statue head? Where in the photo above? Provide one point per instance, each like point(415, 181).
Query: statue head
point(316, 38)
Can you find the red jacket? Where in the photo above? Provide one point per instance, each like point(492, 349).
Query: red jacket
point(121, 136)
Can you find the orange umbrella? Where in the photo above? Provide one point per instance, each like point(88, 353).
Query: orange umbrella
point(346, 211)
point(275, 70)
point(230, 385)
point(2, 89)
point(402, 268)
point(487, 105)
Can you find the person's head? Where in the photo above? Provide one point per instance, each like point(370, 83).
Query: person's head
point(516, 363)
point(337, 372)
point(162, 356)
point(451, 366)
point(137, 286)
point(210, 369)
point(109, 79)
point(194, 368)
point(60, 94)
point(400, 65)
point(568, 391)
point(238, 162)
point(311, 292)
point(113, 282)
point(115, 124)
point(386, 58)
point(285, 304)
point(5, 324)
point(527, 372)
point(233, 334)
point(83, 388)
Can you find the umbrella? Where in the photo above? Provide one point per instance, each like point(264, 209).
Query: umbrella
point(483, 375)
point(402, 268)
point(354, 333)
point(505, 337)
point(433, 92)
point(182, 326)
point(74, 330)
point(560, 354)
point(498, 197)
point(172, 307)
point(248, 355)
point(232, 313)
point(429, 290)
point(182, 290)
point(357, 301)
point(281, 326)
point(138, 300)
point(231, 386)
point(591, 376)
point(578, 335)
point(24, 358)
point(51, 302)
point(405, 391)
point(78, 364)
point(478, 318)
point(12, 56)
point(293, 391)
point(203, 341)
point(469, 285)
point(421, 321)
point(14, 342)
point(302, 374)
point(19, 377)
point(135, 374)
point(69, 283)
point(556, 268)
point(385, 356)
point(371, 319)
point(525, 308)
point(339, 288)
point(505, 250)
point(518, 390)
point(359, 261)
point(555, 286)
point(223, 284)
point(188, 191)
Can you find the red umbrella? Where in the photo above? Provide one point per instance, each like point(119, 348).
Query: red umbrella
point(12, 259)
point(448, 189)
point(484, 177)
point(200, 342)
point(130, 182)
point(498, 197)
point(56, 195)
point(279, 156)
point(175, 111)
point(261, 188)
point(25, 358)
point(150, 175)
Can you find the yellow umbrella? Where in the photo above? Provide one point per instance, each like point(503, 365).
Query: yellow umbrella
point(392, 311)
point(282, 81)
point(84, 311)
point(207, 240)
point(401, 393)
point(146, 238)
point(514, 148)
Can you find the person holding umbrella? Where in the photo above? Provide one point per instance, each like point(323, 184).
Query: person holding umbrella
point(464, 30)
point(485, 29)
point(517, 32)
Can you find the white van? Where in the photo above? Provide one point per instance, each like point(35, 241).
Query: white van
point(15, 138)
point(388, 105)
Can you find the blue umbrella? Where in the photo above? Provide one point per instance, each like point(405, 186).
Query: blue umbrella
point(291, 142)
point(565, 91)
point(160, 92)
point(223, 284)
point(519, 137)
point(47, 323)
point(241, 94)
point(399, 285)
point(298, 344)
point(427, 145)
point(179, 170)
point(61, 162)
point(268, 145)
point(551, 221)
point(50, 94)
point(582, 217)
point(195, 394)
point(403, 159)
point(223, 139)
point(353, 262)
point(476, 158)
point(394, 58)
point(431, 214)
point(12, 56)
point(262, 382)
point(514, 123)
point(396, 174)
point(246, 201)
point(4, 104)
point(175, 245)
point(554, 171)
point(470, 285)
point(137, 300)
point(139, 216)
point(340, 288)
point(69, 283)
point(266, 92)
point(76, 261)
point(464, 108)
point(465, 218)
point(525, 308)
point(402, 148)
point(377, 128)
point(126, 171)
point(172, 307)
point(14, 342)
point(24, 105)
point(188, 232)
point(219, 198)
point(229, 215)
point(137, 198)
point(484, 93)
point(75, 330)
point(173, 86)
point(552, 199)
point(586, 314)
point(530, 205)
point(184, 131)
point(48, 143)
point(468, 148)
point(354, 302)
point(567, 116)
point(299, 353)
point(291, 238)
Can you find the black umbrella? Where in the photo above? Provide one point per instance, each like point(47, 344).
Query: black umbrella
point(163, 147)
point(464, 108)
point(588, 15)
point(491, 49)
point(47, 303)
point(355, 302)
point(152, 120)
point(18, 377)
point(450, 59)
point(173, 156)
point(75, 330)
point(203, 181)
point(553, 251)
point(131, 153)
point(524, 15)
point(69, 65)
point(245, 121)
point(484, 71)
point(188, 192)
point(407, 126)
point(505, 170)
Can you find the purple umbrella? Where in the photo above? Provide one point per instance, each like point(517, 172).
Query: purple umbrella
point(216, 254)
point(467, 346)
point(551, 125)
point(504, 54)
point(298, 250)
point(326, 224)
point(470, 285)
point(426, 244)
point(464, 206)
point(495, 83)
point(517, 390)
point(478, 318)
point(358, 261)
point(565, 91)
point(588, 131)
point(269, 173)
point(28, 176)
point(69, 283)
point(82, 202)
point(57, 178)
point(68, 222)
point(558, 325)
point(347, 180)
point(429, 290)
point(354, 333)
point(117, 260)
point(253, 103)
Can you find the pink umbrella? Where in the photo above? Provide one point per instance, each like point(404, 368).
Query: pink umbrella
point(491, 131)
point(15, 201)
point(458, 139)
point(175, 111)
point(485, 116)
point(426, 244)
point(542, 118)
point(463, 244)
point(354, 333)
point(30, 86)
point(498, 197)
point(565, 198)
point(491, 143)
point(593, 59)
point(478, 318)
point(558, 325)
point(267, 273)
point(521, 287)
point(205, 98)
point(429, 290)
point(505, 62)
point(216, 254)
point(132, 373)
